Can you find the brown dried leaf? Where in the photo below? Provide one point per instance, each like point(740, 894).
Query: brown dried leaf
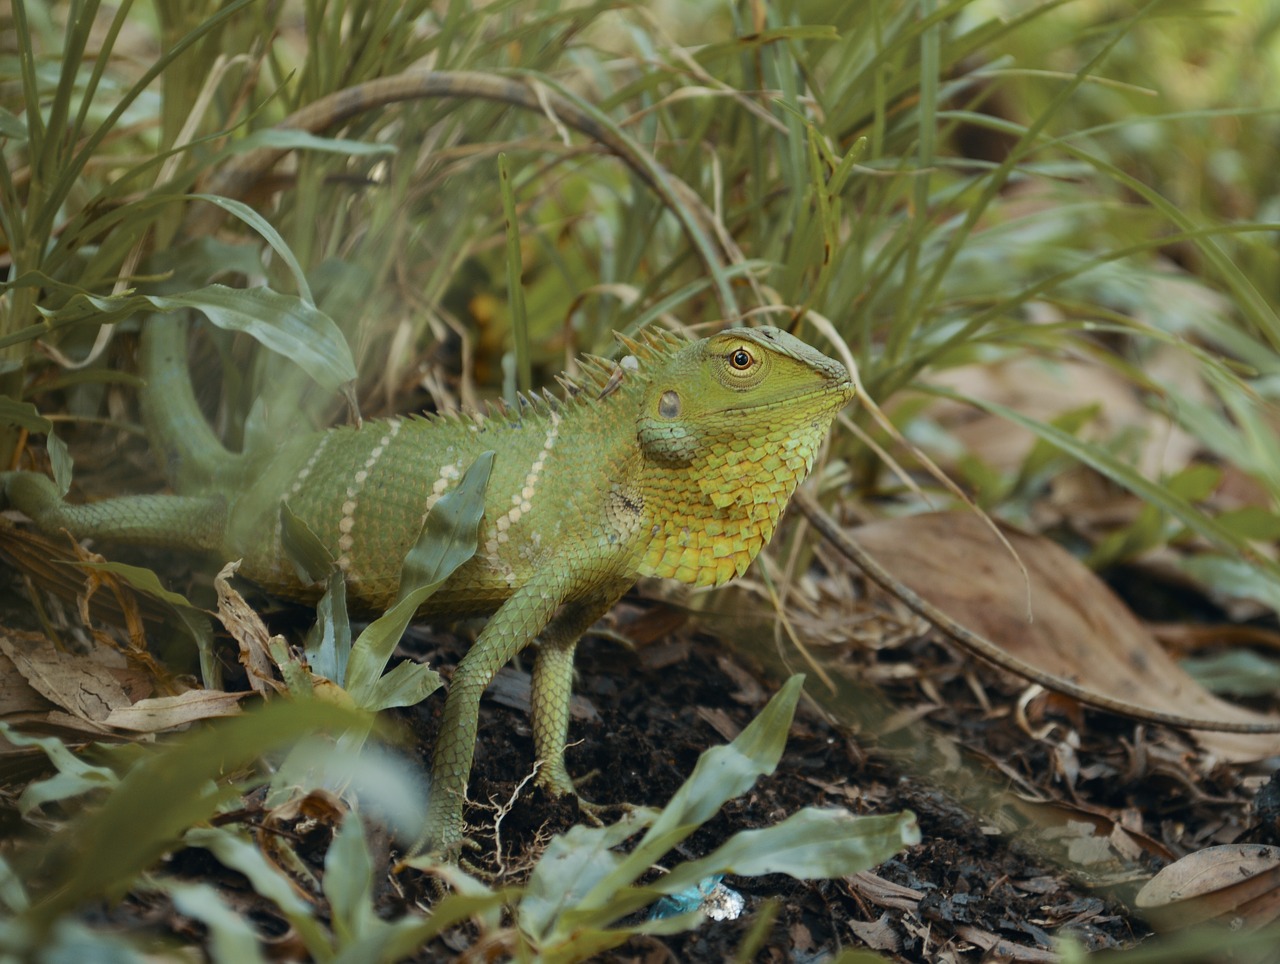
point(1238, 883)
point(81, 685)
point(1080, 630)
point(1127, 843)
point(16, 694)
point(878, 934)
point(1045, 389)
point(168, 712)
point(249, 631)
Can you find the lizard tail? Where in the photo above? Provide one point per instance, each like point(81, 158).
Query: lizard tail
point(191, 455)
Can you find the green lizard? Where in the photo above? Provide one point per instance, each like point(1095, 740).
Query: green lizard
point(675, 462)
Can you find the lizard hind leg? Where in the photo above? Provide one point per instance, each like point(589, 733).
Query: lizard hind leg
point(183, 522)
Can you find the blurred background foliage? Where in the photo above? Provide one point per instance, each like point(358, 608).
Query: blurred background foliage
point(946, 183)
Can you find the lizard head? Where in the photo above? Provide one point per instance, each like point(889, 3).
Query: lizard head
point(728, 428)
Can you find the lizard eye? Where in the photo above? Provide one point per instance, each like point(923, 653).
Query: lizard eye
point(741, 359)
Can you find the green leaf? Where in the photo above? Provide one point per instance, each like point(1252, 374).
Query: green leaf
point(570, 868)
point(310, 558)
point(1196, 482)
point(348, 882)
point(25, 415)
point(811, 844)
point(74, 776)
point(231, 937)
point(404, 938)
point(448, 539)
point(721, 773)
point(724, 772)
point(284, 323)
point(239, 854)
point(12, 127)
point(289, 139)
point(60, 462)
point(1231, 576)
point(449, 533)
point(269, 234)
point(1251, 522)
point(140, 578)
point(13, 893)
point(407, 684)
point(328, 644)
point(1239, 672)
point(1154, 494)
point(102, 851)
point(195, 621)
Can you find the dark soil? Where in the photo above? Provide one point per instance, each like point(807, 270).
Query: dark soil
point(978, 885)
point(1038, 819)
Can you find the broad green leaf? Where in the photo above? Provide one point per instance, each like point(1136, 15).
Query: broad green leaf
point(721, 773)
point(1239, 672)
point(449, 538)
point(100, 852)
point(284, 323)
point(289, 139)
point(1196, 482)
point(12, 127)
point(1251, 522)
point(811, 844)
point(328, 643)
point(269, 234)
point(25, 415)
point(571, 866)
point(1233, 577)
point(231, 937)
point(73, 777)
point(348, 880)
point(60, 462)
point(13, 893)
point(140, 578)
point(310, 559)
point(407, 684)
point(239, 854)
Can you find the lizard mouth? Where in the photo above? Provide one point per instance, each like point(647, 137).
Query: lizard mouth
point(839, 395)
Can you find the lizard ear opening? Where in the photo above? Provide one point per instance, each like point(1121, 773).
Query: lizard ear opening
point(662, 435)
point(669, 404)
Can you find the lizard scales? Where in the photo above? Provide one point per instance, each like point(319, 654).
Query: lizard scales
point(675, 462)
point(697, 510)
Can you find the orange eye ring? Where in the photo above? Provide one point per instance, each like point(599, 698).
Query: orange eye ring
point(740, 359)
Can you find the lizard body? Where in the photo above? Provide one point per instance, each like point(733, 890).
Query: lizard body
point(675, 462)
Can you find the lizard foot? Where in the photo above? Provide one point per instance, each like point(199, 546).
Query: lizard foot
point(560, 784)
point(596, 812)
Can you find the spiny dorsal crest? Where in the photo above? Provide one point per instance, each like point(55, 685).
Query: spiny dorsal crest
point(596, 378)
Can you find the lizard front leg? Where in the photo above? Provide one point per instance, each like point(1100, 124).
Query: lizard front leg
point(553, 686)
point(513, 627)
